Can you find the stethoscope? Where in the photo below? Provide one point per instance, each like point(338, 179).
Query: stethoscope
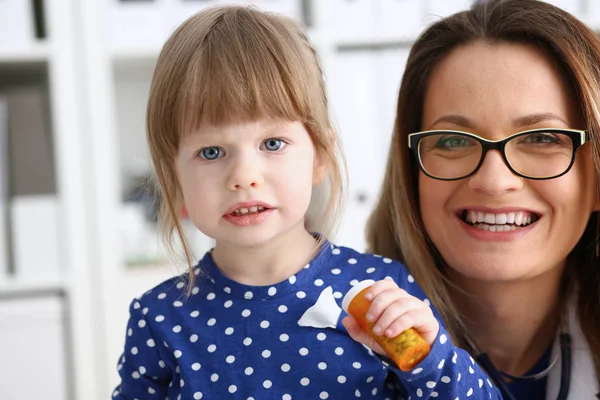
point(565, 377)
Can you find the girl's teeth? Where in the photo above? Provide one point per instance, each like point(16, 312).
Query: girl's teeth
point(253, 209)
point(244, 211)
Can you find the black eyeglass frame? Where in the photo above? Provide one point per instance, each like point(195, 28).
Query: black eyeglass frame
point(578, 138)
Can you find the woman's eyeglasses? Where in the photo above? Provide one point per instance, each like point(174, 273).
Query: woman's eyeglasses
point(534, 154)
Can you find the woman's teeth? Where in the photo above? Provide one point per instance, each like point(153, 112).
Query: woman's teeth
point(250, 210)
point(501, 222)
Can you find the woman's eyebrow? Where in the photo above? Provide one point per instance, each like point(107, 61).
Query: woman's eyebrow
point(534, 119)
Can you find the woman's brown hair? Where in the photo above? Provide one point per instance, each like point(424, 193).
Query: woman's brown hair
point(395, 228)
point(231, 64)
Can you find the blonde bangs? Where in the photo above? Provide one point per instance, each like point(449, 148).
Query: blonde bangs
point(246, 69)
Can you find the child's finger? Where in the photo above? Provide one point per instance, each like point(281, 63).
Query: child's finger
point(383, 301)
point(358, 334)
point(422, 320)
point(393, 311)
point(380, 287)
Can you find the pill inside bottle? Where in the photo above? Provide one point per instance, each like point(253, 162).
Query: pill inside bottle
point(407, 349)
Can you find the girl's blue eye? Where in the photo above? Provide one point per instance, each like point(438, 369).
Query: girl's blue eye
point(273, 144)
point(211, 153)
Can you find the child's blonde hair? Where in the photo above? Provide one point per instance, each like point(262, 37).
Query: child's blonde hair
point(232, 64)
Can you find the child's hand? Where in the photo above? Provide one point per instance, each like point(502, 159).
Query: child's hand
point(393, 311)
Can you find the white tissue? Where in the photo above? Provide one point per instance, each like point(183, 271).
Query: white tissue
point(325, 313)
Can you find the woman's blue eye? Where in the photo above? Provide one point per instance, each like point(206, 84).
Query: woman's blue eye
point(452, 141)
point(211, 153)
point(273, 144)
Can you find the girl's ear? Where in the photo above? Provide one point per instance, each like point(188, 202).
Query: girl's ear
point(320, 168)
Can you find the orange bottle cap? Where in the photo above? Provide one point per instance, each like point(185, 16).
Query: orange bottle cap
point(356, 289)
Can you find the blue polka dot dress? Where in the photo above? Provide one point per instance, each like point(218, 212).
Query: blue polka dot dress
point(227, 340)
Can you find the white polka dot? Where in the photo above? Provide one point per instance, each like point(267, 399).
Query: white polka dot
point(319, 282)
point(159, 318)
point(245, 313)
point(161, 296)
point(232, 389)
point(434, 394)
point(177, 353)
point(145, 310)
point(195, 290)
point(301, 295)
point(430, 384)
point(387, 260)
point(470, 392)
point(196, 366)
point(247, 341)
point(197, 396)
point(194, 314)
point(177, 304)
point(441, 364)
point(427, 302)
point(249, 371)
point(353, 282)
point(161, 363)
point(211, 296)
point(177, 329)
point(321, 336)
point(335, 251)
point(194, 338)
point(445, 379)
point(151, 390)
point(267, 384)
point(374, 391)
point(356, 365)
point(134, 350)
point(370, 379)
point(471, 370)
point(443, 338)
point(337, 295)
point(214, 377)
point(211, 348)
point(284, 337)
point(303, 351)
point(307, 266)
point(282, 308)
point(230, 359)
point(292, 279)
point(454, 358)
point(341, 379)
point(228, 304)
point(227, 289)
point(322, 366)
point(410, 278)
point(370, 270)
point(211, 322)
point(304, 381)
point(336, 271)
point(458, 378)
point(352, 261)
point(135, 375)
point(417, 370)
point(285, 367)
point(266, 354)
point(264, 324)
point(357, 393)
point(229, 331)
point(129, 332)
point(248, 295)
point(180, 285)
point(339, 351)
point(286, 397)
point(323, 395)
point(480, 383)
point(272, 291)
point(419, 392)
point(141, 323)
point(150, 343)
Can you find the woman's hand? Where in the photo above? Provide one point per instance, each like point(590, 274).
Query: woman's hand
point(393, 311)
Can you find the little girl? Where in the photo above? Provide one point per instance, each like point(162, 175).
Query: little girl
point(239, 135)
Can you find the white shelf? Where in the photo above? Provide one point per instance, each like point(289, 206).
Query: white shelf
point(36, 52)
point(15, 286)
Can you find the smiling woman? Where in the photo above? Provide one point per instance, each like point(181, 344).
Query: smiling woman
point(494, 204)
